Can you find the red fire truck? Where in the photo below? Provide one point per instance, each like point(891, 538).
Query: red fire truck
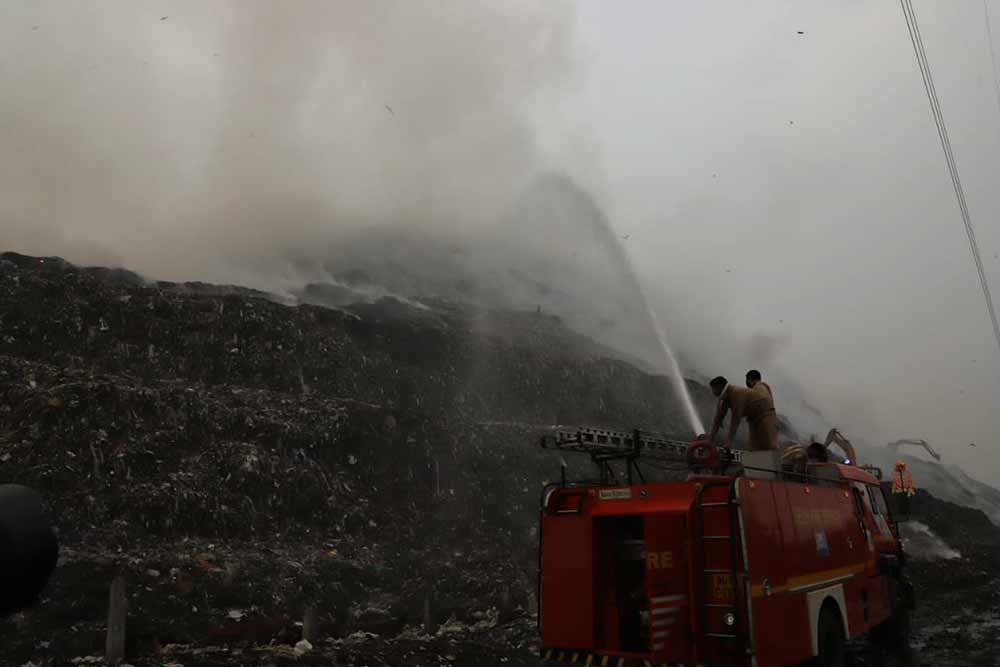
point(741, 564)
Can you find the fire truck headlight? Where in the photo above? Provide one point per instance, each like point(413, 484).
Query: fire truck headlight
point(730, 619)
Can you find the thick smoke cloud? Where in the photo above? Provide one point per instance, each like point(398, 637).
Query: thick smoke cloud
point(248, 141)
point(277, 145)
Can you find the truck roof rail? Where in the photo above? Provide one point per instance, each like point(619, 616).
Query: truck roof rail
point(647, 444)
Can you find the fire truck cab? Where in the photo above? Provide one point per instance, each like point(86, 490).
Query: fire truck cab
point(746, 567)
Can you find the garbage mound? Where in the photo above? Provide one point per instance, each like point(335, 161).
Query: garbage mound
point(240, 461)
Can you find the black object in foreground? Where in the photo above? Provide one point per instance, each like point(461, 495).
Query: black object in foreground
point(28, 548)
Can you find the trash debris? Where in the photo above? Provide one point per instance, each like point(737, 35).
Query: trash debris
point(303, 647)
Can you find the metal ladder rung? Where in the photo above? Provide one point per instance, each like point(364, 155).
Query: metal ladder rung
point(733, 539)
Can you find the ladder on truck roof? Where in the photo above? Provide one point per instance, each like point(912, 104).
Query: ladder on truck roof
point(738, 603)
point(604, 446)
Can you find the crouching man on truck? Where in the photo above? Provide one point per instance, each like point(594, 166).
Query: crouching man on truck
point(755, 404)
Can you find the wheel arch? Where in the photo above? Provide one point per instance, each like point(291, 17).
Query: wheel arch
point(830, 597)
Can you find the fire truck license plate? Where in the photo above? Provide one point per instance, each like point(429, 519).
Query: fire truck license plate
point(722, 586)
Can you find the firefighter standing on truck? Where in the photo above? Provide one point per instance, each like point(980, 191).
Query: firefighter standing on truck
point(755, 404)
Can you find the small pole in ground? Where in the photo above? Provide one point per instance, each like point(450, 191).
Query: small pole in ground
point(437, 478)
point(428, 616)
point(114, 652)
point(505, 611)
point(310, 625)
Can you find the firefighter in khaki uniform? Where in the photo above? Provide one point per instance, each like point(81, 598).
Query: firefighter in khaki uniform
point(755, 404)
point(754, 378)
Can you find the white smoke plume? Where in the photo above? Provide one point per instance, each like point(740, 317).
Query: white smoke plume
point(245, 141)
point(923, 544)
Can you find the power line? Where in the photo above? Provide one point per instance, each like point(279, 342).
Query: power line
point(924, 64)
point(925, 73)
point(993, 52)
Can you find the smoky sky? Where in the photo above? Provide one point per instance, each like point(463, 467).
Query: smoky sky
point(792, 187)
point(190, 138)
point(783, 195)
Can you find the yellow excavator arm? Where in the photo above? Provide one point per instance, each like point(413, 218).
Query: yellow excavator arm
point(835, 437)
point(915, 442)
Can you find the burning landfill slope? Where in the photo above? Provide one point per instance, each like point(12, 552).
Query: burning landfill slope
point(561, 257)
point(238, 460)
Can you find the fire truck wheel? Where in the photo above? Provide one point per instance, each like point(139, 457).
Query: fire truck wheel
point(830, 639)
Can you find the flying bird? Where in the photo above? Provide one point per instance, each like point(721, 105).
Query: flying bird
point(389, 109)
point(626, 237)
point(164, 18)
point(801, 32)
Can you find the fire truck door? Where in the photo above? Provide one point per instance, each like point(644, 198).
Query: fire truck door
point(885, 537)
point(867, 528)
